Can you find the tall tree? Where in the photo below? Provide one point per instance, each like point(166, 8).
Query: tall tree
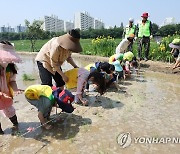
point(155, 28)
point(34, 32)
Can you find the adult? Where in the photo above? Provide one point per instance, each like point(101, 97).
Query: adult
point(54, 53)
point(123, 45)
point(175, 45)
point(129, 29)
point(144, 33)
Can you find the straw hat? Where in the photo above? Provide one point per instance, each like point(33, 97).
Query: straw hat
point(71, 41)
point(7, 54)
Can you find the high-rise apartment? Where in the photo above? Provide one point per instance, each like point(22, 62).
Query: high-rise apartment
point(53, 24)
point(98, 24)
point(83, 21)
point(68, 25)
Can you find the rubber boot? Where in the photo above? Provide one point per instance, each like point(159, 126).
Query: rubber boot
point(14, 120)
point(1, 131)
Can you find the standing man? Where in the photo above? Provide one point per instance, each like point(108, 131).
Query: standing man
point(144, 33)
point(129, 29)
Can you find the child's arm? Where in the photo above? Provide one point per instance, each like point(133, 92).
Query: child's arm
point(116, 85)
point(43, 121)
point(84, 101)
point(80, 90)
point(13, 84)
point(172, 51)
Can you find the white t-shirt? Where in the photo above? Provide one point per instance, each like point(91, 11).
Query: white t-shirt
point(122, 46)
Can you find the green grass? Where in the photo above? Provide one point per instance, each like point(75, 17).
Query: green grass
point(27, 77)
point(89, 49)
point(25, 45)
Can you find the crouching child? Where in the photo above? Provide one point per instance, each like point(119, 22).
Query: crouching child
point(43, 97)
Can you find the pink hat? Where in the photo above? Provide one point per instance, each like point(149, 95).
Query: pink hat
point(7, 54)
point(145, 14)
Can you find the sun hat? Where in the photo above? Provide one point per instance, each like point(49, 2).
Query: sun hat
point(131, 20)
point(71, 41)
point(145, 14)
point(119, 56)
point(128, 56)
point(8, 54)
point(175, 44)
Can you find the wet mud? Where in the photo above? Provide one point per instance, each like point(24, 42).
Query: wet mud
point(146, 106)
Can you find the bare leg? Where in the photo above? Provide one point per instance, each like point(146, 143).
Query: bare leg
point(1, 131)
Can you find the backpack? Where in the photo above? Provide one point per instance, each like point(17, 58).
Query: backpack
point(64, 99)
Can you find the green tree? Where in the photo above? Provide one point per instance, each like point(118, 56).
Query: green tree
point(155, 29)
point(168, 30)
point(34, 32)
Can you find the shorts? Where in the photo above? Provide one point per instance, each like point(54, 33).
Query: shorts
point(43, 105)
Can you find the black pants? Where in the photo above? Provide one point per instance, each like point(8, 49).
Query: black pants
point(144, 41)
point(130, 47)
point(46, 76)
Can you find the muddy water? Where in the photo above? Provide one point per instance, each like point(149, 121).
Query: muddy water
point(147, 106)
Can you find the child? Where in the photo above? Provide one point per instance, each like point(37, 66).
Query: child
point(107, 70)
point(78, 77)
point(44, 98)
point(8, 85)
point(175, 45)
point(98, 66)
point(116, 60)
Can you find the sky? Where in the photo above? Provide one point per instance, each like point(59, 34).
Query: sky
point(112, 12)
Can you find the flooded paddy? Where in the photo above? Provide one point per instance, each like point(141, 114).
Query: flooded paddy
point(147, 106)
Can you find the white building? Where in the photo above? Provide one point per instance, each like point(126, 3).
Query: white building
point(98, 24)
point(53, 24)
point(83, 21)
point(169, 21)
point(68, 25)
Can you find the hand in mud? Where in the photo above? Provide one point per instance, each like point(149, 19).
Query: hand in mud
point(18, 91)
point(85, 102)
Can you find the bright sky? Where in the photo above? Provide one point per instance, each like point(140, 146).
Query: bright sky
point(112, 12)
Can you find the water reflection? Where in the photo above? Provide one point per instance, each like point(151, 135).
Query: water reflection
point(29, 66)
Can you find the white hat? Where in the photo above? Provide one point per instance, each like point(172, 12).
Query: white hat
point(131, 20)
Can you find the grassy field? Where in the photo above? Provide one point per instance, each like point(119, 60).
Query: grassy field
point(156, 52)
point(25, 45)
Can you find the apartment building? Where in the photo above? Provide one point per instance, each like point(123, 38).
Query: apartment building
point(83, 21)
point(4, 29)
point(98, 24)
point(53, 24)
point(68, 25)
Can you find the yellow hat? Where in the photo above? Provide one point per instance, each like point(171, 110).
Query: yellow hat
point(128, 56)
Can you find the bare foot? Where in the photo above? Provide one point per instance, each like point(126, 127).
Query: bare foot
point(47, 127)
